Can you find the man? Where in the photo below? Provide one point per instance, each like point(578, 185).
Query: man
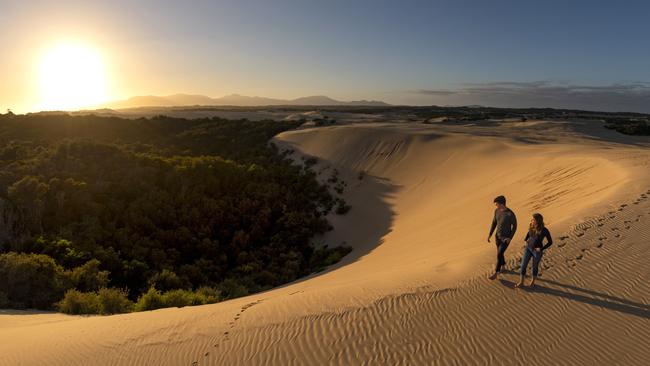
point(505, 223)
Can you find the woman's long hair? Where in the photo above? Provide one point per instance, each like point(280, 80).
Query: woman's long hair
point(538, 226)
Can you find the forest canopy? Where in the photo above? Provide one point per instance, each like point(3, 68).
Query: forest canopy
point(110, 209)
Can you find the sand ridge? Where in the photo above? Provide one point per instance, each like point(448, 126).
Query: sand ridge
point(413, 291)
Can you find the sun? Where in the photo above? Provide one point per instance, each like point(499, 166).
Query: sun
point(71, 77)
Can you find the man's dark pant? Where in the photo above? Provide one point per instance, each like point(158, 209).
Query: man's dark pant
point(502, 245)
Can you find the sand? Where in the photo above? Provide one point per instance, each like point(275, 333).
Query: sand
point(414, 290)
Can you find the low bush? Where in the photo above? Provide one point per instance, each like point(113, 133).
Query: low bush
point(32, 281)
point(180, 298)
point(154, 299)
point(76, 302)
point(209, 295)
point(324, 257)
point(231, 288)
point(114, 301)
point(150, 300)
point(167, 280)
point(108, 301)
point(89, 277)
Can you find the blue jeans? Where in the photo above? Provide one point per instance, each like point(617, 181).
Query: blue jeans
point(537, 257)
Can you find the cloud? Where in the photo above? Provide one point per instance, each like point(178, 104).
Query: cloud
point(629, 96)
point(436, 92)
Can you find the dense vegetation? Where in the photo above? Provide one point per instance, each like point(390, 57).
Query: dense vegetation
point(122, 214)
point(629, 126)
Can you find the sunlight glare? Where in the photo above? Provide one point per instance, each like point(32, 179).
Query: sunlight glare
point(71, 76)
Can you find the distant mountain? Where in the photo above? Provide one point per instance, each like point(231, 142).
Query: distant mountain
point(316, 100)
point(179, 100)
point(245, 101)
point(189, 99)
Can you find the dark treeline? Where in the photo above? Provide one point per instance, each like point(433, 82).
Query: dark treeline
point(629, 126)
point(152, 207)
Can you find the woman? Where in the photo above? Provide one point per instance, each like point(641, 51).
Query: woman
point(534, 247)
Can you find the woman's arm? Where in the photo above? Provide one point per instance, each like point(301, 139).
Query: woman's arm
point(549, 240)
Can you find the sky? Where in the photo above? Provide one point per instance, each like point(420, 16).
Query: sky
point(567, 54)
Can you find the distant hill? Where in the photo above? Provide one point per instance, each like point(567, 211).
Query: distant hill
point(178, 100)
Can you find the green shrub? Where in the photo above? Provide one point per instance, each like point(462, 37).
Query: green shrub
point(154, 299)
point(178, 298)
point(114, 301)
point(31, 280)
point(324, 257)
point(76, 302)
point(167, 280)
point(150, 300)
point(209, 295)
point(63, 251)
point(88, 277)
point(231, 288)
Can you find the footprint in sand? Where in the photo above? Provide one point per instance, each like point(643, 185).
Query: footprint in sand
point(579, 257)
point(580, 234)
point(617, 235)
point(600, 245)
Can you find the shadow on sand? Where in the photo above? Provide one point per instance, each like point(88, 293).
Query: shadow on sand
point(586, 296)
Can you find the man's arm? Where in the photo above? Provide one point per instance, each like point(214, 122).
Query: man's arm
point(494, 225)
point(514, 225)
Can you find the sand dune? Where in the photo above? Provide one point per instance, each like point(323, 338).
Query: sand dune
point(413, 290)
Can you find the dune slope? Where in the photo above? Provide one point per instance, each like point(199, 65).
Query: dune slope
point(413, 290)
